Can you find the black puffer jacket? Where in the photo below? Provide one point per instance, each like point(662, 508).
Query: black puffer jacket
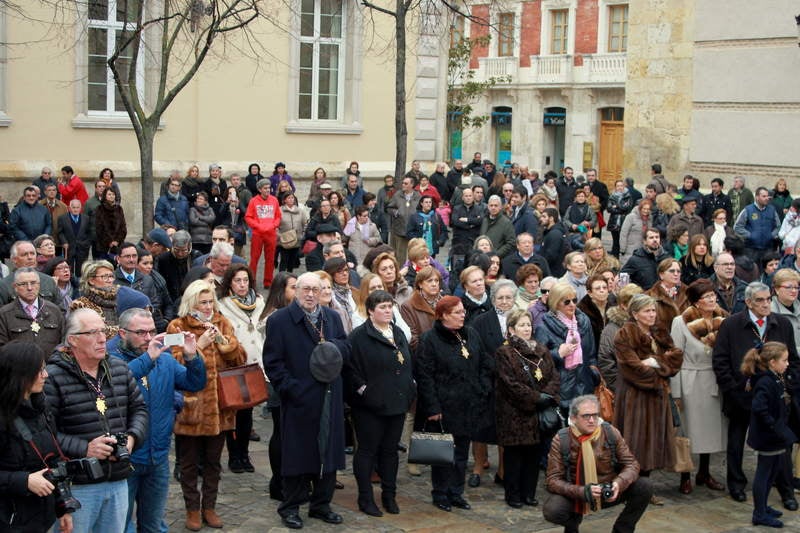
point(21, 510)
point(73, 405)
point(448, 383)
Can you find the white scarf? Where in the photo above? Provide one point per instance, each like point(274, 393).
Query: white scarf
point(718, 239)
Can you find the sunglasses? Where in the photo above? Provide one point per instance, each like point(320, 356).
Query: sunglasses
point(569, 301)
point(544, 291)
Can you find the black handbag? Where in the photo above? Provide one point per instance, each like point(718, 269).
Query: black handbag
point(550, 419)
point(436, 449)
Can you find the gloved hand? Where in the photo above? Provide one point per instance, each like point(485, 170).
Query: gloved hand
point(651, 362)
point(545, 400)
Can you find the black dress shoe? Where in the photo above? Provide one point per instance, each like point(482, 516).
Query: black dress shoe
point(255, 437)
point(474, 480)
point(326, 516)
point(292, 521)
point(369, 508)
point(247, 465)
point(390, 505)
point(444, 506)
point(790, 504)
point(235, 466)
point(514, 504)
point(738, 495)
point(531, 501)
point(339, 485)
point(460, 502)
point(498, 480)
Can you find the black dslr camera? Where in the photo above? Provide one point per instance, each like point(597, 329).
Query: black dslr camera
point(606, 492)
point(121, 451)
point(61, 476)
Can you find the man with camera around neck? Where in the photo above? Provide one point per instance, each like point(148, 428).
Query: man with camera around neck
point(584, 477)
point(159, 375)
point(99, 413)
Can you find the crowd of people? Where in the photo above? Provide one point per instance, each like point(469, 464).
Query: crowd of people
point(475, 301)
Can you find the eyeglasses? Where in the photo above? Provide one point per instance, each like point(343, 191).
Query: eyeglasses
point(790, 287)
point(569, 301)
point(309, 290)
point(590, 416)
point(62, 267)
point(105, 277)
point(710, 297)
point(458, 312)
point(92, 333)
point(28, 284)
point(142, 332)
point(674, 270)
point(129, 256)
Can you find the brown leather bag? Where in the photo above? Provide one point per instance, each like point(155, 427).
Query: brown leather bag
point(241, 387)
point(606, 398)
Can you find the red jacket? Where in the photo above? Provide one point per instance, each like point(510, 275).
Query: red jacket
point(263, 216)
point(74, 190)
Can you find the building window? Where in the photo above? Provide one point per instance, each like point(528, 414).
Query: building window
point(457, 34)
point(618, 28)
point(321, 59)
point(505, 37)
point(108, 19)
point(559, 31)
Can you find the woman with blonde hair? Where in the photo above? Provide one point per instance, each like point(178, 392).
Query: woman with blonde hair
point(370, 283)
point(669, 294)
point(386, 267)
point(597, 259)
point(200, 427)
point(781, 198)
point(98, 292)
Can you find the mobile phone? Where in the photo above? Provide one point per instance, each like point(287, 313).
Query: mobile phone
point(173, 339)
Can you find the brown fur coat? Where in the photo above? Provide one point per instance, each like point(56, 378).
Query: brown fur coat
point(201, 415)
point(704, 330)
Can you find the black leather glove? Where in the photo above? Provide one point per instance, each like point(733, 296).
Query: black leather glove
point(545, 400)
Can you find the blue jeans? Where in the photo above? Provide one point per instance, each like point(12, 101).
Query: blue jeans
point(103, 507)
point(148, 486)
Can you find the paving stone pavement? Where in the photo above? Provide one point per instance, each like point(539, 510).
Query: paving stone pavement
point(245, 506)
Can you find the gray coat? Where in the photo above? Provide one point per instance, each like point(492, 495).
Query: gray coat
point(792, 314)
point(631, 236)
point(400, 211)
point(201, 220)
point(696, 385)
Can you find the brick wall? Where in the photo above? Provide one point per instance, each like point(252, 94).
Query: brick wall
point(530, 32)
point(480, 12)
point(586, 16)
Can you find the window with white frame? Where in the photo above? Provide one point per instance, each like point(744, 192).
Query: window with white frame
point(618, 28)
point(505, 35)
point(322, 48)
point(559, 31)
point(107, 19)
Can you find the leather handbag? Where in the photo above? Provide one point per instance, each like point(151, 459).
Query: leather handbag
point(606, 398)
point(436, 449)
point(550, 420)
point(288, 239)
point(241, 387)
point(683, 446)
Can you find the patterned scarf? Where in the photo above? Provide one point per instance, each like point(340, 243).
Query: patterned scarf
point(585, 467)
point(246, 303)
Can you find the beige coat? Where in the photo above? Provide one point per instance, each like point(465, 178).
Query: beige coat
point(251, 339)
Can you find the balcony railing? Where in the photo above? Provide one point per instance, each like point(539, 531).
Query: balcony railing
point(551, 69)
point(605, 68)
point(498, 66)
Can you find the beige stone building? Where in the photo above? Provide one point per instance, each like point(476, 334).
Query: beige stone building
point(317, 90)
point(712, 90)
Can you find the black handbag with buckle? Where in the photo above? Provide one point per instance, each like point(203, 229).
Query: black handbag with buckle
point(428, 448)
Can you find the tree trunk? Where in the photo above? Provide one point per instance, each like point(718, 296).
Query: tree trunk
point(400, 128)
point(146, 139)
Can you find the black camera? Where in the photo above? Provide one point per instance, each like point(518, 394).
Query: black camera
point(606, 492)
point(61, 476)
point(121, 451)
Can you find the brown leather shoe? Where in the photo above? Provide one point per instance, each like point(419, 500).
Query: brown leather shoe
point(212, 519)
point(709, 482)
point(193, 522)
point(686, 486)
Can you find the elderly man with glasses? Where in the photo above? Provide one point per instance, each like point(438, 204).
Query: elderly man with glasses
point(23, 254)
point(594, 469)
point(739, 333)
point(158, 376)
point(729, 288)
point(30, 317)
point(99, 413)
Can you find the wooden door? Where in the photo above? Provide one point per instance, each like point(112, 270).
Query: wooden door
point(611, 144)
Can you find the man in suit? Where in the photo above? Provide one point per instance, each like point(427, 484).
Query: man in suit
point(74, 236)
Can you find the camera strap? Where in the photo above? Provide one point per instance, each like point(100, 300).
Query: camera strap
point(26, 435)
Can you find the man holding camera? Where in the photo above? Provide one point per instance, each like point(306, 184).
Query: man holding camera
point(595, 469)
point(100, 414)
point(159, 376)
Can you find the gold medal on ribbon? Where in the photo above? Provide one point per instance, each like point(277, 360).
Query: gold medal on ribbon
point(538, 374)
point(400, 358)
point(145, 383)
point(100, 404)
point(35, 327)
point(464, 352)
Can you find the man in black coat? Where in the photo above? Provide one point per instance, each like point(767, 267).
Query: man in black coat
point(93, 397)
point(738, 334)
point(717, 199)
point(292, 334)
point(127, 275)
point(554, 241)
point(522, 215)
point(729, 289)
point(523, 255)
point(566, 187)
point(642, 266)
point(74, 236)
point(466, 220)
point(174, 264)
